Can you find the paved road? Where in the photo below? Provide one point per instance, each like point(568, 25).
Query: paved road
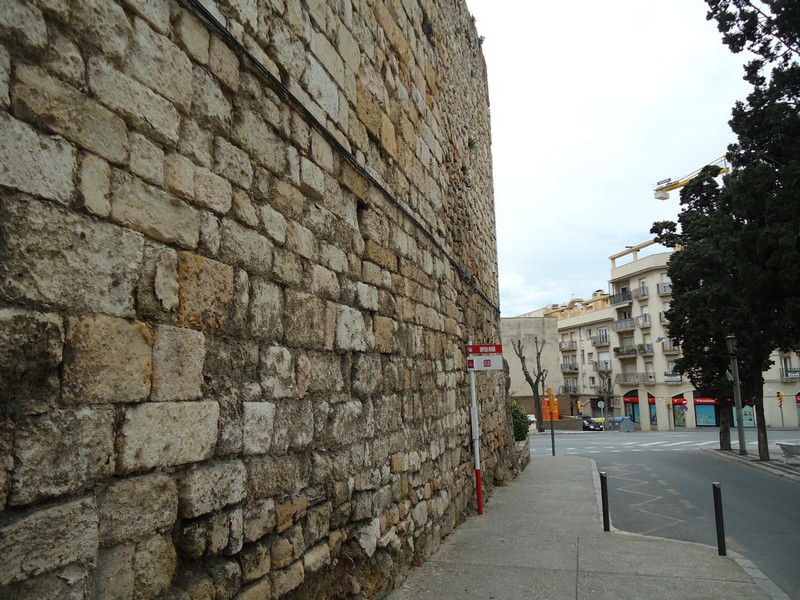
point(660, 485)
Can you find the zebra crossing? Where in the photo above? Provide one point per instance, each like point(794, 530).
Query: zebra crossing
point(635, 446)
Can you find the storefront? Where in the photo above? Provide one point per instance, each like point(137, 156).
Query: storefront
point(706, 411)
point(631, 401)
point(679, 408)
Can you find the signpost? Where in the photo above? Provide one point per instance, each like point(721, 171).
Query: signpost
point(480, 357)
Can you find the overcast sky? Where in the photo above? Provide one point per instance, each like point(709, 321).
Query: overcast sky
point(592, 103)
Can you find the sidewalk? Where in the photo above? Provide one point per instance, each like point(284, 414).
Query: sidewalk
point(541, 537)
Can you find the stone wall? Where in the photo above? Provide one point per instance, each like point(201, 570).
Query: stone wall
point(242, 246)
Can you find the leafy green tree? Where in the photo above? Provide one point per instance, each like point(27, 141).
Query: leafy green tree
point(704, 277)
point(736, 268)
point(764, 186)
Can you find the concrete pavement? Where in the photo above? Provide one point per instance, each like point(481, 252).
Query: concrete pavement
point(541, 537)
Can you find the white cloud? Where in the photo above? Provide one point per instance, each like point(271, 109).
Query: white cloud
point(592, 103)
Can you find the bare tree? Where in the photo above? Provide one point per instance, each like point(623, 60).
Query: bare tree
point(537, 382)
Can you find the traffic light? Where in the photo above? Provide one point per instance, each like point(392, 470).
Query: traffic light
point(780, 398)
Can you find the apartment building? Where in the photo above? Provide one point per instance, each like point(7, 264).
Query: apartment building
point(617, 358)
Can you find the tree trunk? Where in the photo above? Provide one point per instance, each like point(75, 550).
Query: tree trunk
point(725, 422)
point(537, 404)
point(761, 428)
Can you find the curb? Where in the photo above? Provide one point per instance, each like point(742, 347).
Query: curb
point(761, 580)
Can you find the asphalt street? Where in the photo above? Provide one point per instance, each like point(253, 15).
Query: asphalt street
point(660, 484)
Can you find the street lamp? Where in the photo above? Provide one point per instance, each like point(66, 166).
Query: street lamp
point(730, 340)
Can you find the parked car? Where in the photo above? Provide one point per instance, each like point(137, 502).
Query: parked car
point(590, 424)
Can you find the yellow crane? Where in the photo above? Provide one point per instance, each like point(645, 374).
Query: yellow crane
point(665, 186)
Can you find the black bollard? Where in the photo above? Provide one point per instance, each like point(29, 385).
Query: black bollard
point(604, 496)
point(720, 520)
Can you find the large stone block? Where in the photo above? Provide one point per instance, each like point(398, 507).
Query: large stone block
point(67, 261)
point(47, 539)
point(266, 310)
point(165, 434)
point(178, 356)
point(307, 327)
point(5, 77)
point(205, 291)
point(352, 331)
point(260, 141)
point(153, 567)
point(322, 88)
point(132, 509)
point(34, 163)
point(245, 248)
point(102, 23)
point(259, 519)
point(212, 191)
point(108, 359)
point(160, 65)
point(268, 476)
point(277, 372)
point(258, 422)
point(153, 212)
point(24, 23)
point(210, 105)
point(113, 576)
point(193, 36)
point(137, 103)
point(211, 487)
point(232, 163)
point(31, 350)
point(40, 97)
point(61, 452)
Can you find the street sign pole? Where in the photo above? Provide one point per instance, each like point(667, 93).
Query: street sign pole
point(475, 437)
point(480, 357)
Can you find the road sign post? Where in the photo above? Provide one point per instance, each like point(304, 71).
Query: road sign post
point(480, 357)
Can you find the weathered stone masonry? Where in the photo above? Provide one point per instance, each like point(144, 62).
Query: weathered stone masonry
point(240, 257)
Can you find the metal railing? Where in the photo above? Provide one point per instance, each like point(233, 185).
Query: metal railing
point(643, 321)
point(641, 293)
point(567, 345)
point(621, 298)
point(670, 347)
point(623, 324)
point(621, 351)
point(664, 289)
point(790, 374)
point(602, 366)
point(569, 367)
point(600, 340)
point(671, 377)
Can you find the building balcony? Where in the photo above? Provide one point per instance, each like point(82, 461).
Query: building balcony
point(673, 378)
point(641, 293)
point(670, 347)
point(569, 367)
point(635, 378)
point(567, 345)
point(646, 349)
point(643, 321)
point(631, 378)
point(662, 318)
point(623, 325)
point(569, 388)
point(599, 341)
point(602, 366)
point(664, 289)
point(790, 374)
point(623, 351)
point(621, 298)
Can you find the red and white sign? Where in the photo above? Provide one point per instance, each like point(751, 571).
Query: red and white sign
point(484, 357)
point(484, 348)
point(487, 362)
